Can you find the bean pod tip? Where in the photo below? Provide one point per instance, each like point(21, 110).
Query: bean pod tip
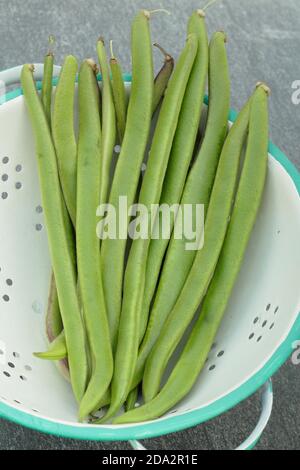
point(71, 58)
point(147, 14)
point(92, 64)
point(201, 13)
point(265, 87)
point(224, 35)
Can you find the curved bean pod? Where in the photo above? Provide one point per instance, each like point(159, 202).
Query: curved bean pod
point(53, 318)
point(196, 191)
point(57, 228)
point(127, 170)
point(119, 94)
point(128, 338)
point(180, 158)
point(88, 253)
point(66, 151)
point(162, 78)
point(64, 134)
point(108, 122)
point(247, 203)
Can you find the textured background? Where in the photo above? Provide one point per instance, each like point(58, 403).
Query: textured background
point(263, 44)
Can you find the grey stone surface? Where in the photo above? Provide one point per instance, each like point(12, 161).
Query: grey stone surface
point(263, 44)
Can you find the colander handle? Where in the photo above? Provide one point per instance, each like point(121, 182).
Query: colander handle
point(266, 410)
point(11, 76)
point(252, 440)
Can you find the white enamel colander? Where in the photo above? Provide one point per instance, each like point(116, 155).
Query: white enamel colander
point(261, 326)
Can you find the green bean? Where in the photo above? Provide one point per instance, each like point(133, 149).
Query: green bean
point(56, 222)
point(128, 338)
point(119, 94)
point(180, 158)
point(131, 399)
point(88, 253)
point(66, 151)
point(162, 78)
point(108, 122)
point(54, 324)
point(205, 261)
point(247, 202)
point(127, 170)
point(57, 349)
point(196, 191)
point(53, 318)
point(46, 94)
point(64, 134)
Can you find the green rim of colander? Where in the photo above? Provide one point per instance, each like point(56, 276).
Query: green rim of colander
point(175, 423)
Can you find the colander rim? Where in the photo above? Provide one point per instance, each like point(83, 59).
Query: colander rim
point(187, 419)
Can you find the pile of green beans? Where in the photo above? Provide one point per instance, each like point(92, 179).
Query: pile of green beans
point(127, 172)
point(196, 190)
point(204, 262)
point(247, 202)
point(180, 158)
point(118, 308)
point(127, 345)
